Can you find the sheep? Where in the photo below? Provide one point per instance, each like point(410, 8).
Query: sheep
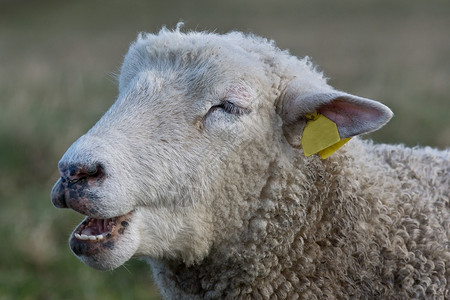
point(200, 169)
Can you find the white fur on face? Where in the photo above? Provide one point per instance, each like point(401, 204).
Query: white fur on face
point(169, 144)
point(196, 124)
point(199, 167)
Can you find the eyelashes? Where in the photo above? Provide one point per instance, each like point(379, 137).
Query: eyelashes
point(230, 108)
point(225, 111)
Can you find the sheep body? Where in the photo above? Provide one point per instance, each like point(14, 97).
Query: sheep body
point(217, 194)
point(344, 229)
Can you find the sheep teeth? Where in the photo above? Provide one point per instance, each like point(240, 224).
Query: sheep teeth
point(85, 237)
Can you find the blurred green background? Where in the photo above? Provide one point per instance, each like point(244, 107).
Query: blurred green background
point(58, 61)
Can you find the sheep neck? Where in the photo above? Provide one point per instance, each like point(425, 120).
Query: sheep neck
point(261, 256)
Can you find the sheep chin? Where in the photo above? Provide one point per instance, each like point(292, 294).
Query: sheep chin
point(104, 244)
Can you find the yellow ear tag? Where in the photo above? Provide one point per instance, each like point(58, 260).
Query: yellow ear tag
point(321, 136)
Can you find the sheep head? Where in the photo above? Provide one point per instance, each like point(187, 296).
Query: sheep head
point(198, 123)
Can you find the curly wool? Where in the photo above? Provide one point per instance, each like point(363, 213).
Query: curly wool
point(225, 205)
point(370, 222)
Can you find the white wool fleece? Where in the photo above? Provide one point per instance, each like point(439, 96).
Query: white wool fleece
point(202, 152)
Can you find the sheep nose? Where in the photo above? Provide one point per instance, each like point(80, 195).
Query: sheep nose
point(72, 173)
point(75, 177)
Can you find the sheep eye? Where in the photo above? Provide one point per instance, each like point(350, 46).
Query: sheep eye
point(230, 108)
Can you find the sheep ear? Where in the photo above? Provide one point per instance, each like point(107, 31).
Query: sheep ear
point(352, 115)
point(323, 122)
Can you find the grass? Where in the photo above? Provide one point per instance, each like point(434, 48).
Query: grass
point(58, 60)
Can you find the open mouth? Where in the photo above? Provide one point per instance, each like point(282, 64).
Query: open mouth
point(104, 244)
point(94, 236)
point(96, 229)
point(101, 229)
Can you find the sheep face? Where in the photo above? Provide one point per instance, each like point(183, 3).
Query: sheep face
point(146, 175)
point(199, 123)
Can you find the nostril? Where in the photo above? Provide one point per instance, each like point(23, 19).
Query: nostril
point(76, 172)
point(94, 170)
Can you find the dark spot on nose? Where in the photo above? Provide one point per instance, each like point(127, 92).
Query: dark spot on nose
point(121, 230)
point(73, 194)
point(57, 195)
point(74, 188)
point(75, 172)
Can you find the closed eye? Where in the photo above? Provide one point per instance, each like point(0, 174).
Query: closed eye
point(230, 108)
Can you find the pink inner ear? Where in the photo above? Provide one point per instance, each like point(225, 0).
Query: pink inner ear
point(345, 113)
